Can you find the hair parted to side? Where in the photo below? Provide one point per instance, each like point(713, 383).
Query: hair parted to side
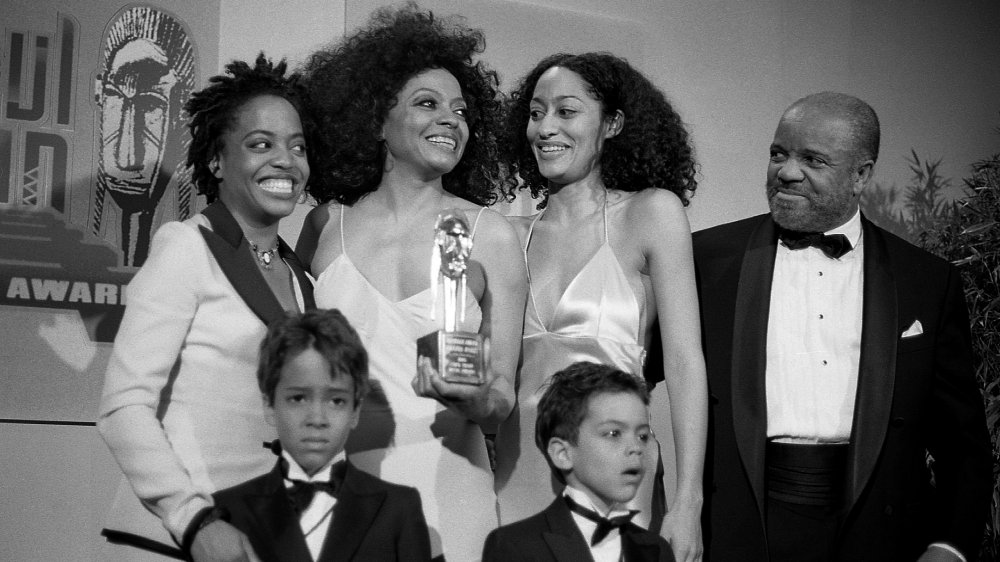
point(325, 330)
point(214, 109)
point(564, 404)
point(653, 149)
point(865, 129)
point(352, 85)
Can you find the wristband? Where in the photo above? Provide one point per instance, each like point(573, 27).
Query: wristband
point(202, 519)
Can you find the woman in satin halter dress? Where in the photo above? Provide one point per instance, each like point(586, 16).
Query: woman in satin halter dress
point(612, 160)
point(408, 124)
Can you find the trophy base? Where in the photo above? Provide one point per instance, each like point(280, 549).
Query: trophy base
point(457, 356)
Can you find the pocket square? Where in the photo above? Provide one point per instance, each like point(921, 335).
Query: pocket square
point(915, 329)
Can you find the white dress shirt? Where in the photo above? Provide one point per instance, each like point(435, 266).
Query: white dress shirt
point(610, 547)
point(315, 520)
point(814, 341)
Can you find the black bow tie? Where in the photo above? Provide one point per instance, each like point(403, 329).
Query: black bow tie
point(833, 245)
point(604, 524)
point(302, 493)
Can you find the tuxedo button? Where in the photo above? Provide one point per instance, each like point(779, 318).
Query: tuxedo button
point(898, 422)
point(887, 510)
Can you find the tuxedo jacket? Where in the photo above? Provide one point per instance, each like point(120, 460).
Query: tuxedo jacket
point(181, 409)
point(372, 520)
point(553, 536)
point(915, 394)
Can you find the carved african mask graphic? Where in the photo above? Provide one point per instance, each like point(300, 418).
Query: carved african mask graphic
point(147, 72)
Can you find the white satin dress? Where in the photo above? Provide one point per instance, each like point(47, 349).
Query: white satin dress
point(598, 319)
point(404, 438)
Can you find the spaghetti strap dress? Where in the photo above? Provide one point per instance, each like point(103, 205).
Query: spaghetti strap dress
point(598, 319)
point(404, 438)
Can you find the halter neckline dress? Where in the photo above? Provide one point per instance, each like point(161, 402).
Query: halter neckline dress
point(597, 318)
point(404, 438)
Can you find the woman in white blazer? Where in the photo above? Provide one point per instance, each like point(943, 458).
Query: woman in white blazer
point(181, 411)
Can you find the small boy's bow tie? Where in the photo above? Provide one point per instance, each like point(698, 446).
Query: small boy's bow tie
point(604, 524)
point(302, 493)
point(833, 245)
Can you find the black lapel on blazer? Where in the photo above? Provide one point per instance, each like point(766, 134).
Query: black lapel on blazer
point(305, 284)
point(277, 521)
point(232, 251)
point(877, 367)
point(564, 538)
point(753, 301)
point(357, 506)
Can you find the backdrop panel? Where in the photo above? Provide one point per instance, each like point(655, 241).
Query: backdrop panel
point(92, 142)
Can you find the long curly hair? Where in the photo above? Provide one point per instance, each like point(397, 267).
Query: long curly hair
point(213, 111)
point(352, 85)
point(653, 149)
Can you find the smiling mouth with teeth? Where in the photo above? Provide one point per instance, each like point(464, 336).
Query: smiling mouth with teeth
point(277, 185)
point(552, 148)
point(445, 141)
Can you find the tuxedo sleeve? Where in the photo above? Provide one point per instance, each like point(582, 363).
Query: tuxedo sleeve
point(959, 441)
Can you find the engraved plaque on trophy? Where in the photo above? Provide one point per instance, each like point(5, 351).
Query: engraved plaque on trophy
point(457, 355)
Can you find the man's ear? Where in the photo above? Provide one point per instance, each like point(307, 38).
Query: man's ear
point(616, 124)
point(863, 176)
point(561, 453)
point(213, 165)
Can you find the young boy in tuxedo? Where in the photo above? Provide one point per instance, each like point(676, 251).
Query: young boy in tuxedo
point(593, 428)
point(315, 505)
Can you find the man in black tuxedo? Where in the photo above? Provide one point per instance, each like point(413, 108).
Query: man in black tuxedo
point(846, 423)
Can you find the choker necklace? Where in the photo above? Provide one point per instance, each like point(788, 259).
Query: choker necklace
point(265, 257)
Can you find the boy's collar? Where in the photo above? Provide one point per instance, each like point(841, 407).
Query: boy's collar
point(583, 498)
point(296, 472)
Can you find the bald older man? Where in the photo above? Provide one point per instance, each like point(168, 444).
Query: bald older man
point(846, 421)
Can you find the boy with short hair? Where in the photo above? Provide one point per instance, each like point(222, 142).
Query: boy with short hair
point(593, 428)
point(315, 505)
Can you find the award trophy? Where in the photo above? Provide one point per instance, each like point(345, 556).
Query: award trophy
point(458, 356)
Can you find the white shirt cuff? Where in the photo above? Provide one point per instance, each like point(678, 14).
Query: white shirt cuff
point(949, 548)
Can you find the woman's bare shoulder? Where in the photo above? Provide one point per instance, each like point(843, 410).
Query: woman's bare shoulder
point(319, 215)
point(492, 227)
point(316, 222)
point(652, 207)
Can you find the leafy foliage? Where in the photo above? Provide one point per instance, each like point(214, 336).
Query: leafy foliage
point(967, 233)
point(971, 240)
point(921, 207)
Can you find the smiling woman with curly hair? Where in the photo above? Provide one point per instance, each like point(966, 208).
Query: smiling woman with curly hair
point(653, 151)
point(355, 83)
point(180, 410)
point(613, 161)
point(408, 125)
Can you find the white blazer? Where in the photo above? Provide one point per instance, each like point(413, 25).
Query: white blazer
point(181, 410)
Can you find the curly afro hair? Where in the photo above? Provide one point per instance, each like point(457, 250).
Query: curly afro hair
point(352, 85)
point(653, 149)
point(213, 111)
